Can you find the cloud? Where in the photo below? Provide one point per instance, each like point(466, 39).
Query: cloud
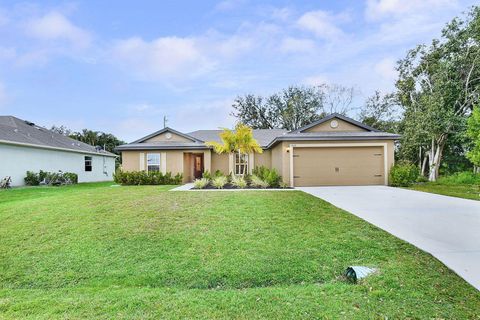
point(54, 26)
point(290, 44)
point(379, 9)
point(316, 80)
point(386, 69)
point(323, 24)
point(228, 5)
point(166, 57)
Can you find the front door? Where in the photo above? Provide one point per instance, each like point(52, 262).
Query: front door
point(198, 166)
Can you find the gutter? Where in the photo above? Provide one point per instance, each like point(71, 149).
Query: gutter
point(22, 144)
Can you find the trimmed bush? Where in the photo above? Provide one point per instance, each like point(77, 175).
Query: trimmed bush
point(270, 176)
point(466, 177)
point(239, 182)
point(50, 178)
point(219, 182)
point(257, 182)
point(200, 183)
point(403, 174)
point(146, 178)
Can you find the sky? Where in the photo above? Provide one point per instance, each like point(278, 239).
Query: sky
point(121, 66)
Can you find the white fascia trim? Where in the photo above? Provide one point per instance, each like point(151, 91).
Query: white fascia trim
point(334, 145)
point(22, 144)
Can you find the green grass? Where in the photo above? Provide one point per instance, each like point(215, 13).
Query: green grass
point(466, 191)
point(95, 251)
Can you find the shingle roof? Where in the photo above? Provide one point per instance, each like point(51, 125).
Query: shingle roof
point(17, 131)
point(265, 137)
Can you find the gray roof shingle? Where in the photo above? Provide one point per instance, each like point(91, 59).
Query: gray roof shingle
point(14, 130)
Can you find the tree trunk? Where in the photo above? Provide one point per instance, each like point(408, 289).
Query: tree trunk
point(435, 157)
point(424, 165)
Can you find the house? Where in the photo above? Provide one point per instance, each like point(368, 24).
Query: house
point(335, 150)
point(25, 146)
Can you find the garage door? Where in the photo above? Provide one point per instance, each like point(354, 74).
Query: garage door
point(338, 166)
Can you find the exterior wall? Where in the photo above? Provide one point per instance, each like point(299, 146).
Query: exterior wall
point(263, 159)
point(220, 162)
point(276, 158)
point(163, 137)
point(342, 126)
point(17, 160)
point(286, 155)
point(174, 161)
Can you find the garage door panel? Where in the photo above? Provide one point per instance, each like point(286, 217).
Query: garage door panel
point(316, 166)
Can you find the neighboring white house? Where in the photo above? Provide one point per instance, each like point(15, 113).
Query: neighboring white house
point(27, 147)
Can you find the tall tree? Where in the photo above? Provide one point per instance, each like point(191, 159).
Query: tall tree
point(381, 111)
point(438, 86)
point(292, 107)
point(473, 132)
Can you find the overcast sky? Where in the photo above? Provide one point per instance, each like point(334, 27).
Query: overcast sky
point(120, 67)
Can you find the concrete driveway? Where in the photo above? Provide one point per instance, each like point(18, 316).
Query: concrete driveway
point(446, 227)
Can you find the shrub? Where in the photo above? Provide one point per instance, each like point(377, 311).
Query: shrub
point(207, 175)
point(284, 185)
point(270, 176)
point(466, 177)
point(32, 179)
point(146, 178)
point(200, 183)
point(50, 178)
point(219, 182)
point(403, 174)
point(257, 182)
point(239, 182)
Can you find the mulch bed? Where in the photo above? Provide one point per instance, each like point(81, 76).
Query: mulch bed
point(229, 186)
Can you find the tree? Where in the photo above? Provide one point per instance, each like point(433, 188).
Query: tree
point(95, 138)
point(438, 86)
point(473, 132)
point(239, 141)
point(292, 108)
point(381, 112)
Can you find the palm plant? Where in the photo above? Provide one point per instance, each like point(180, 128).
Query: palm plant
point(239, 141)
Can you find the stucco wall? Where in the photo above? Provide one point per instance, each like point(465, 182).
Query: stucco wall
point(263, 159)
point(17, 160)
point(163, 137)
point(174, 161)
point(342, 126)
point(220, 162)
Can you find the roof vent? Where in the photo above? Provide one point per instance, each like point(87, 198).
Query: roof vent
point(29, 123)
point(15, 130)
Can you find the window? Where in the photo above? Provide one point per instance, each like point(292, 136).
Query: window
point(88, 163)
point(153, 161)
point(241, 163)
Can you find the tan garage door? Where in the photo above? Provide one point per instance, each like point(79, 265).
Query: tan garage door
point(338, 166)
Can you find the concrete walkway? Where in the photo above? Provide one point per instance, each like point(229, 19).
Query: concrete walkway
point(446, 227)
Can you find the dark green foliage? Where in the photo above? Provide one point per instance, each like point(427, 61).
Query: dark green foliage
point(50, 178)
point(146, 178)
point(466, 177)
point(403, 174)
point(270, 176)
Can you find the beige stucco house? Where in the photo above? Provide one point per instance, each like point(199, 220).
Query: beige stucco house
point(335, 150)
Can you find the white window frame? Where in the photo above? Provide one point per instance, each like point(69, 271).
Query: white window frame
point(154, 164)
point(238, 164)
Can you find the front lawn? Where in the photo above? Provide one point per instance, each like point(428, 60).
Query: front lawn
point(96, 251)
point(467, 191)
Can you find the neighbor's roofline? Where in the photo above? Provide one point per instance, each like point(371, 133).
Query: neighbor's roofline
point(335, 115)
point(156, 133)
point(31, 145)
